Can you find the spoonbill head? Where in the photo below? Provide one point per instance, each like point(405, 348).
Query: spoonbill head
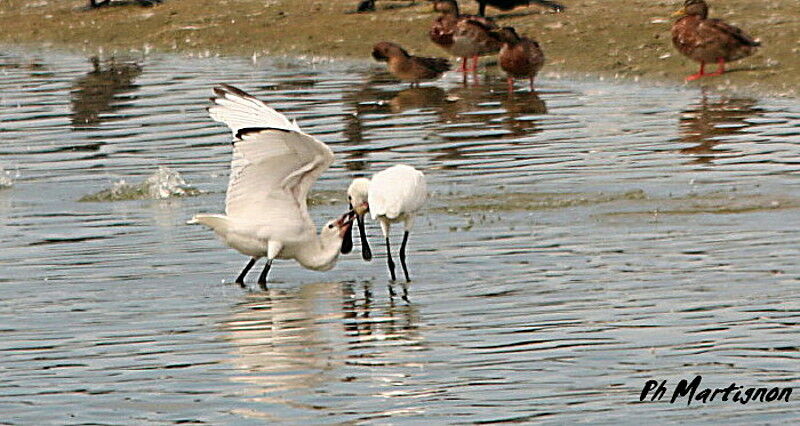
point(357, 194)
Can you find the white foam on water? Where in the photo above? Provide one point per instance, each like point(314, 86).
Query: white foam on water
point(165, 183)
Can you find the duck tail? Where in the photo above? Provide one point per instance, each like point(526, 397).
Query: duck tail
point(438, 65)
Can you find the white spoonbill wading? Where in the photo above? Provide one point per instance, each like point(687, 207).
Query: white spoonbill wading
point(393, 195)
point(274, 165)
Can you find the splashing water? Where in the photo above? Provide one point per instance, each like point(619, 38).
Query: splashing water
point(6, 181)
point(164, 183)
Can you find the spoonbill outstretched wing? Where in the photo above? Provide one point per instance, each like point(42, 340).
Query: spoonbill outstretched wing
point(274, 165)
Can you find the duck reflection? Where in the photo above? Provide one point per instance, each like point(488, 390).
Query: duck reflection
point(36, 66)
point(99, 91)
point(477, 113)
point(707, 123)
point(289, 344)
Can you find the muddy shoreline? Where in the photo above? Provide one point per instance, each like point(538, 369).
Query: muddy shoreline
point(621, 39)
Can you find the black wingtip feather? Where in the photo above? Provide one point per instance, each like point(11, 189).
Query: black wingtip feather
point(241, 133)
point(219, 92)
point(234, 90)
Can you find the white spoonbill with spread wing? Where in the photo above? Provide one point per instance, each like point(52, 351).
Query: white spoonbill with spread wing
point(274, 166)
point(393, 195)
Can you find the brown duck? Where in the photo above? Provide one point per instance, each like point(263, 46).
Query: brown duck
point(708, 40)
point(407, 67)
point(511, 4)
point(520, 57)
point(465, 36)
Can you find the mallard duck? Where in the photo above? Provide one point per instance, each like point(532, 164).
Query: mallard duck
point(708, 40)
point(520, 57)
point(511, 4)
point(465, 36)
point(407, 67)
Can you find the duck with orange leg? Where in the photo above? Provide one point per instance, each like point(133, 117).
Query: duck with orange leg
point(407, 67)
point(708, 40)
point(464, 36)
point(520, 57)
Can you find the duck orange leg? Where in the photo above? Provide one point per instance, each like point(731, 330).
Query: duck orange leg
point(701, 73)
point(720, 67)
point(474, 63)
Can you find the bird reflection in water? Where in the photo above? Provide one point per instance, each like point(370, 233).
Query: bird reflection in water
point(708, 123)
point(478, 114)
point(365, 322)
point(289, 345)
point(100, 90)
point(365, 99)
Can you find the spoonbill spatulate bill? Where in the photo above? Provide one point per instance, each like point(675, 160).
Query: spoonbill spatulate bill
point(274, 165)
point(392, 195)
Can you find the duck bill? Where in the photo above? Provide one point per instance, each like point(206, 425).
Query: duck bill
point(366, 252)
point(679, 13)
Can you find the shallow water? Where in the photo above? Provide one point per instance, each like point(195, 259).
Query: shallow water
point(579, 241)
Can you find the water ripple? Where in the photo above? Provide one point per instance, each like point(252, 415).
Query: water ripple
point(579, 241)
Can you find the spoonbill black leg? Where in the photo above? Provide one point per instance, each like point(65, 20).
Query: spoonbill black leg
point(389, 259)
point(240, 278)
point(403, 255)
point(262, 279)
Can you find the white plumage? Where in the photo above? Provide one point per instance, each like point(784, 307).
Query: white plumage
point(395, 194)
point(392, 195)
point(274, 166)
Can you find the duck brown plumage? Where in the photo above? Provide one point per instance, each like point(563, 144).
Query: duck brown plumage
point(708, 40)
point(407, 67)
point(520, 57)
point(511, 4)
point(465, 36)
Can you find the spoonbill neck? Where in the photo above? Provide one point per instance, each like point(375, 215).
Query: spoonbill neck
point(318, 254)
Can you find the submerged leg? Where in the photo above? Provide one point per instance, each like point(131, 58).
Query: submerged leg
point(474, 64)
point(262, 279)
point(240, 278)
point(510, 81)
point(403, 255)
point(701, 73)
point(389, 259)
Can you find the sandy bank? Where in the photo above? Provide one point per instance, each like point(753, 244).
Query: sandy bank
point(614, 38)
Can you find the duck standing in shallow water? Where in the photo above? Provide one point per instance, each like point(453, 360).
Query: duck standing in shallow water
point(708, 40)
point(407, 67)
point(520, 57)
point(465, 36)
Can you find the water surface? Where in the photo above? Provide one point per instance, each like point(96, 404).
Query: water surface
point(579, 241)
